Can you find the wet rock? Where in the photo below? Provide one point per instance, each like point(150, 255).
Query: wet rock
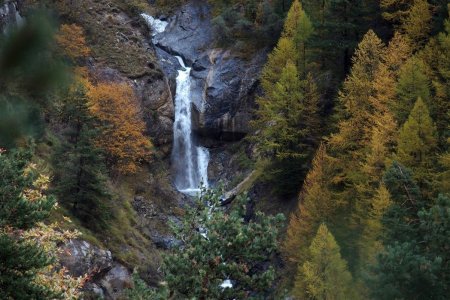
point(81, 257)
point(188, 32)
point(223, 85)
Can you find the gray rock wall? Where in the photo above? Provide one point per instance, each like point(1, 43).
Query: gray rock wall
point(224, 85)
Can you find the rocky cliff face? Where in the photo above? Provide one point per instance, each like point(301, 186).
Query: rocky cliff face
point(224, 85)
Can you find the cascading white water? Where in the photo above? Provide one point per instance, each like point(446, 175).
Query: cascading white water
point(156, 25)
point(190, 161)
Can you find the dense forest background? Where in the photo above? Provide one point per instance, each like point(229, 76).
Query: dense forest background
point(351, 124)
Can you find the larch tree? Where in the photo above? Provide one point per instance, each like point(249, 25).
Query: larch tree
point(357, 98)
point(417, 23)
point(417, 143)
point(442, 84)
point(315, 205)
point(371, 241)
point(413, 82)
point(412, 18)
point(115, 107)
point(324, 275)
point(284, 51)
point(298, 28)
point(354, 101)
point(381, 131)
point(398, 52)
point(288, 120)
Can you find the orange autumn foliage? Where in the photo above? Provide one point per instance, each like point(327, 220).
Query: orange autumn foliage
point(122, 137)
point(72, 41)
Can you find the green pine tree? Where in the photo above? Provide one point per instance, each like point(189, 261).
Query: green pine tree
point(219, 246)
point(20, 260)
point(80, 172)
point(415, 262)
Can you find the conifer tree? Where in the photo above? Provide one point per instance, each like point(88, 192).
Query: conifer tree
point(413, 82)
point(315, 205)
point(72, 41)
point(398, 52)
point(288, 118)
point(298, 28)
point(222, 246)
point(359, 103)
point(415, 262)
point(417, 24)
point(80, 170)
point(417, 143)
point(338, 27)
point(20, 260)
point(284, 51)
point(401, 221)
point(412, 18)
point(371, 243)
point(355, 94)
point(442, 84)
point(324, 275)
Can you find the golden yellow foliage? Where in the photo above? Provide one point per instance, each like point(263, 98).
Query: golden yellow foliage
point(316, 205)
point(122, 138)
point(72, 41)
point(49, 237)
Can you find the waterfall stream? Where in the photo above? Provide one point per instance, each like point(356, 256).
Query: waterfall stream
point(189, 160)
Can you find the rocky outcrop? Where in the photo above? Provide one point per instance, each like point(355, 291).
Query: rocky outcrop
point(107, 278)
point(115, 281)
point(224, 85)
point(81, 257)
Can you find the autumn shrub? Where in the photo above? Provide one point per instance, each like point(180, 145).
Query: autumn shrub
point(122, 137)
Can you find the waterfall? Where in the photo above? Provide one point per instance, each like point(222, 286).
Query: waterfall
point(189, 160)
point(156, 25)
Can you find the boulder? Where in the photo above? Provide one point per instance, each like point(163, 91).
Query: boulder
point(116, 281)
point(81, 257)
point(108, 278)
